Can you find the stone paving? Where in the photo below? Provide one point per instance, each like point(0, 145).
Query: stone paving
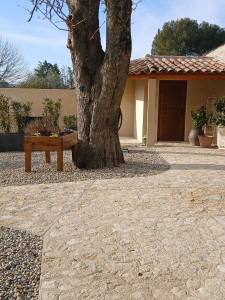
point(159, 237)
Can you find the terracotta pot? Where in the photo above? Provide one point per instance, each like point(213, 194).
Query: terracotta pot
point(193, 137)
point(205, 141)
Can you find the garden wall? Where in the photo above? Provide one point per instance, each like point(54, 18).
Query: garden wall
point(36, 96)
point(69, 104)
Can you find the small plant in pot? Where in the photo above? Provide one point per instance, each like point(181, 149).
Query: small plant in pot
point(200, 118)
point(39, 127)
point(51, 113)
point(48, 125)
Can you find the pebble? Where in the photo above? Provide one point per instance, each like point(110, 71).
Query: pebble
point(139, 162)
point(20, 264)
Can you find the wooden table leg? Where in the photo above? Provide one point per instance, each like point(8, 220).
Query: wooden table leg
point(47, 157)
point(27, 160)
point(74, 152)
point(59, 160)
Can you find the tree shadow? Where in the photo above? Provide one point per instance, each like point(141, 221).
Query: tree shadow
point(193, 153)
point(211, 167)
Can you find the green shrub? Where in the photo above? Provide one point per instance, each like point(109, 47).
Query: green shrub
point(70, 120)
point(21, 112)
point(200, 117)
point(219, 111)
point(51, 111)
point(5, 113)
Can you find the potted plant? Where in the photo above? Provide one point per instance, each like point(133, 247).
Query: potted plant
point(219, 120)
point(51, 112)
point(199, 119)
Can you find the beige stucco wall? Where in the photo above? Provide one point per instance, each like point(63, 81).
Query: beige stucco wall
point(218, 53)
point(197, 93)
point(127, 107)
point(152, 116)
point(140, 102)
point(145, 110)
point(36, 96)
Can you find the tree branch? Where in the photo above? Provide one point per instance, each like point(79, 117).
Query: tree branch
point(33, 10)
point(93, 35)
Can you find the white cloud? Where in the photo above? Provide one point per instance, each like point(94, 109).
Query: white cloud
point(37, 33)
point(36, 40)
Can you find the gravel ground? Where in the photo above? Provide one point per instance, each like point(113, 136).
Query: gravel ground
point(20, 264)
point(20, 252)
point(140, 161)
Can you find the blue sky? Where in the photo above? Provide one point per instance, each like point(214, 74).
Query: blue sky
point(40, 40)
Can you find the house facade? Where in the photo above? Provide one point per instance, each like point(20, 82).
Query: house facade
point(161, 92)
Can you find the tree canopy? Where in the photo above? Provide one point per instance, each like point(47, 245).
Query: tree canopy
point(187, 37)
point(49, 76)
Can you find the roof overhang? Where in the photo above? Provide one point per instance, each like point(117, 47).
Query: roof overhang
point(181, 76)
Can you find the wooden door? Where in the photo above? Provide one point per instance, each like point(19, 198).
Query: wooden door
point(172, 102)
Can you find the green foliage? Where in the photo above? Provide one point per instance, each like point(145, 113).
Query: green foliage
point(219, 111)
point(200, 117)
point(5, 113)
point(51, 111)
point(187, 37)
point(48, 76)
point(43, 69)
point(33, 82)
point(21, 113)
point(4, 84)
point(70, 120)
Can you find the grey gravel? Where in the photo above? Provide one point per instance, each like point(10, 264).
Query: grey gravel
point(20, 264)
point(140, 161)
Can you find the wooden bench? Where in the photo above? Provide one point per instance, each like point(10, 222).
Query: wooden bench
point(47, 144)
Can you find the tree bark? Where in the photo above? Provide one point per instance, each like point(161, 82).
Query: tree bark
point(100, 78)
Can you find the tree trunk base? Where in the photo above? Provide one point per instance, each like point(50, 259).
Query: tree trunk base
point(100, 156)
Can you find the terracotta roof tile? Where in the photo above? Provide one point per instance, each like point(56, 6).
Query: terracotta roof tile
point(176, 64)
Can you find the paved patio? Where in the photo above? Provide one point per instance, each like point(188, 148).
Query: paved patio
point(158, 237)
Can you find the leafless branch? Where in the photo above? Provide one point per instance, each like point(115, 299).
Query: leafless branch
point(135, 4)
point(33, 10)
point(50, 20)
point(51, 7)
point(74, 25)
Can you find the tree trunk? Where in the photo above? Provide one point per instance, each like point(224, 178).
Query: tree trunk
point(100, 78)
